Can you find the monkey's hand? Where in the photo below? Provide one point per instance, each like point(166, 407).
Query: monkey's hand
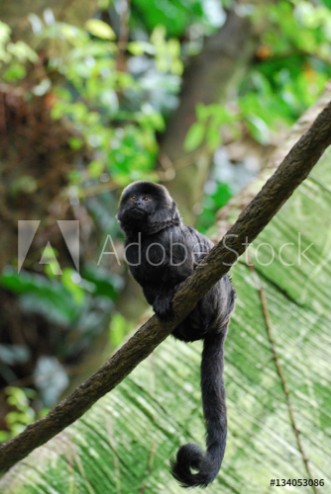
point(163, 306)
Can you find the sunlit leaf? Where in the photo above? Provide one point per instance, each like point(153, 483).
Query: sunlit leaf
point(100, 29)
point(194, 136)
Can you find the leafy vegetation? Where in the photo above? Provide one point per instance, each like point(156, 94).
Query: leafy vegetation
point(14, 56)
point(22, 413)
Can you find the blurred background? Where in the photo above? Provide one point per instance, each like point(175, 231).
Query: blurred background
point(94, 94)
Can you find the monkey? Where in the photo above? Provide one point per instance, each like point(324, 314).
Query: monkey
point(162, 252)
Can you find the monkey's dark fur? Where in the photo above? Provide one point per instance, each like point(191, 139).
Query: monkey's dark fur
point(162, 252)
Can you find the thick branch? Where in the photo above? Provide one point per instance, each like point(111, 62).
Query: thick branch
point(292, 171)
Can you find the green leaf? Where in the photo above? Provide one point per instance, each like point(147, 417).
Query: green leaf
point(118, 329)
point(213, 137)
point(5, 32)
point(140, 47)
point(203, 112)
point(15, 72)
point(194, 136)
point(95, 168)
point(71, 281)
point(259, 129)
point(75, 143)
point(100, 29)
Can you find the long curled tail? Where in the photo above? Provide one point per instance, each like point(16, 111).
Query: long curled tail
point(191, 457)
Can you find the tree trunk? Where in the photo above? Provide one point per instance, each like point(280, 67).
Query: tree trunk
point(211, 78)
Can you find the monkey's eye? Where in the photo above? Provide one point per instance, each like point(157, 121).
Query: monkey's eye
point(146, 198)
point(133, 197)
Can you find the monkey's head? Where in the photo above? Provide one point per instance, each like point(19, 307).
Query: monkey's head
point(147, 208)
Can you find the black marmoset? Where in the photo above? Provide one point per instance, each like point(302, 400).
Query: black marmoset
point(162, 252)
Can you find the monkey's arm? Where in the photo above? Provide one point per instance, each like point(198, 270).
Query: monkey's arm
point(179, 265)
point(187, 252)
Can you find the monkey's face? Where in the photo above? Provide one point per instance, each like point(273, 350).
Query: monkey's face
point(138, 203)
point(144, 206)
point(134, 212)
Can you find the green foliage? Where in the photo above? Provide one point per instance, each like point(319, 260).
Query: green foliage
point(109, 108)
point(167, 52)
point(278, 94)
point(21, 412)
point(100, 29)
point(175, 15)
point(210, 119)
point(77, 305)
point(293, 69)
point(118, 329)
point(306, 26)
point(13, 56)
point(46, 296)
point(65, 299)
point(212, 203)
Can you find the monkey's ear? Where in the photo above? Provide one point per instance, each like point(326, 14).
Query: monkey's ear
point(165, 214)
point(174, 212)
